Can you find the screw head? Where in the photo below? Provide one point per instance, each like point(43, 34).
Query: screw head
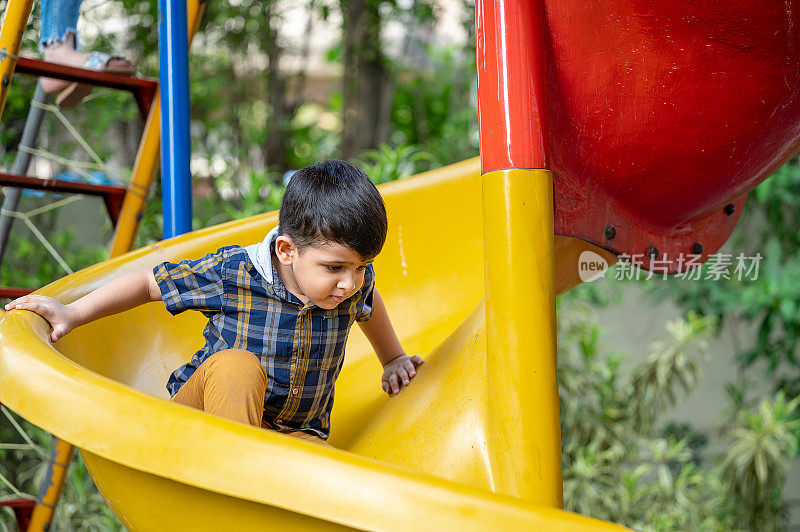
point(697, 248)
point(5, 81)
point(730, 208)
point(610, 232)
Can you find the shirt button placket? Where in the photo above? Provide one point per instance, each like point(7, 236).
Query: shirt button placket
point(292, 375)
point(298, 352)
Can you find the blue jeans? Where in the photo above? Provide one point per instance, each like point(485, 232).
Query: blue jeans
point(59, 19)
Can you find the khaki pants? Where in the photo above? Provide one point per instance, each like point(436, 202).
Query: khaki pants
point(231, 384)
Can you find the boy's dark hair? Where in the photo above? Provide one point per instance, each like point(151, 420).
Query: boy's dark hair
point(334, 201)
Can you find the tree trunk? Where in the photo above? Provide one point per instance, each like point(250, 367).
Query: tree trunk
point(278, 138)
point(364, 78)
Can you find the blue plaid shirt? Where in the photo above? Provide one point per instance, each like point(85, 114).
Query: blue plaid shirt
point(301, 347)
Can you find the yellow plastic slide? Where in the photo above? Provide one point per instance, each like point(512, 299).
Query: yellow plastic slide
point(418, 461)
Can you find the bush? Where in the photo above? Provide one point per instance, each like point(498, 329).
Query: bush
point(622, 463)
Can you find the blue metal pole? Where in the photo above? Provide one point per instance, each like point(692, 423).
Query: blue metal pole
point(176, 182)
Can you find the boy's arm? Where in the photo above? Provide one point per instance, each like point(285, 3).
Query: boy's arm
point(123, 293)
point(397, 366)
point(380, 333)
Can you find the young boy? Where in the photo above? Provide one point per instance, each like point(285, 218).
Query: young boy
point(279, 312)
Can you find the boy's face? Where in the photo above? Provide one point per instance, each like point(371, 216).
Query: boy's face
point(325, 273)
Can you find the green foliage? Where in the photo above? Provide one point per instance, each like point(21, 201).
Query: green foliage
point(673, 364)
point(435, 107)
point(315, 132)
point(14, 113)
point(761, 443)
point(621, 465)
point(388, 164)
point(262, 193)
point(27, 263)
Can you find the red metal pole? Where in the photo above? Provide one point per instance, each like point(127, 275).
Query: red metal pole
point(512, 105)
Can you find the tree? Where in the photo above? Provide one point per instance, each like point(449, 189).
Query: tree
point(364, 77)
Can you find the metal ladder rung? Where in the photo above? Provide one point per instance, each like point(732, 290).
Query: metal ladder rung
point(23, 509)
point(13, 292)
point(113, 195)
point(143, 89)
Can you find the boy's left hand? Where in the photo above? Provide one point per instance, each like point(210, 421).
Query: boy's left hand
point(399, 370)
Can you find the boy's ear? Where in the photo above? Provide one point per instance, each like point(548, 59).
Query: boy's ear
point(285, 249)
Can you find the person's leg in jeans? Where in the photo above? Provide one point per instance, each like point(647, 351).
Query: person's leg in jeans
point(59, 43)
point(59, 20)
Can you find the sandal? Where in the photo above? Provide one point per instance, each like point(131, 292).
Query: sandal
point(100, 62)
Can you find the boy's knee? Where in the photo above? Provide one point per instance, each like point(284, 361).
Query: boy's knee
point(234, 386)
point(239, 365)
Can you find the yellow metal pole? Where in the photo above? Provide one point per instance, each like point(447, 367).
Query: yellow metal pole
point(14, 22)
point(144, 168)
point(52, 486)
point(524, 435)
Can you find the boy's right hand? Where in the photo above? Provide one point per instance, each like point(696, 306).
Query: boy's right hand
point(62, 318)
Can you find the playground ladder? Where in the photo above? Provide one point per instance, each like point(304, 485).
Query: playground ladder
point(113, 196)
point(144, 91)
point(125, 205)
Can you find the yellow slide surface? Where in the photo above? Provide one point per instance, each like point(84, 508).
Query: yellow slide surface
point(421, 460)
